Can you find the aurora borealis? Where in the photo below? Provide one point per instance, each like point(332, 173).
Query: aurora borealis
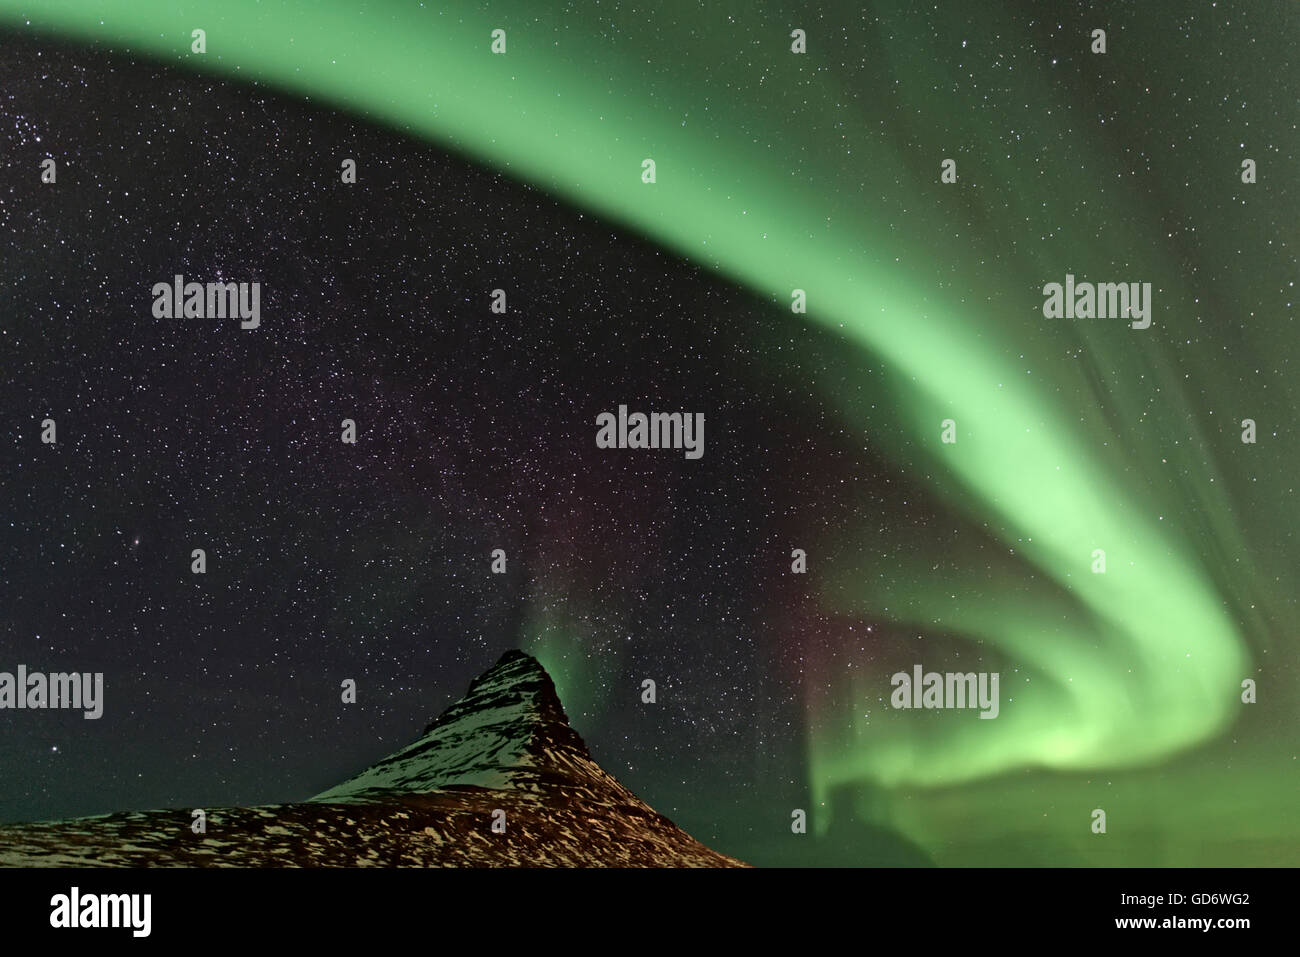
point(820, 172)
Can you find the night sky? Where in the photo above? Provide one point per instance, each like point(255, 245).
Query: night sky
point(776, 171)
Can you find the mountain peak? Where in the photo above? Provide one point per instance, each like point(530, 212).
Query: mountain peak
point(515, 654)
point(508, 731)
point(515, 676)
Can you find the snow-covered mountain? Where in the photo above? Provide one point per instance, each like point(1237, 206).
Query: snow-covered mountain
point(498, 779)
point(509, 731)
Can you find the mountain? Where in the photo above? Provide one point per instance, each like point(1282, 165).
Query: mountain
point(504, 754)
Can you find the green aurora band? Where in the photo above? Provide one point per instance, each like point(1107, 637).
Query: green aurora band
point(775, 173)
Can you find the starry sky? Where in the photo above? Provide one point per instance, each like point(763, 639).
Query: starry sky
point(775, 171)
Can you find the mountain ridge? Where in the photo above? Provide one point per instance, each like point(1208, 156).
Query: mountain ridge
point(507, 728)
